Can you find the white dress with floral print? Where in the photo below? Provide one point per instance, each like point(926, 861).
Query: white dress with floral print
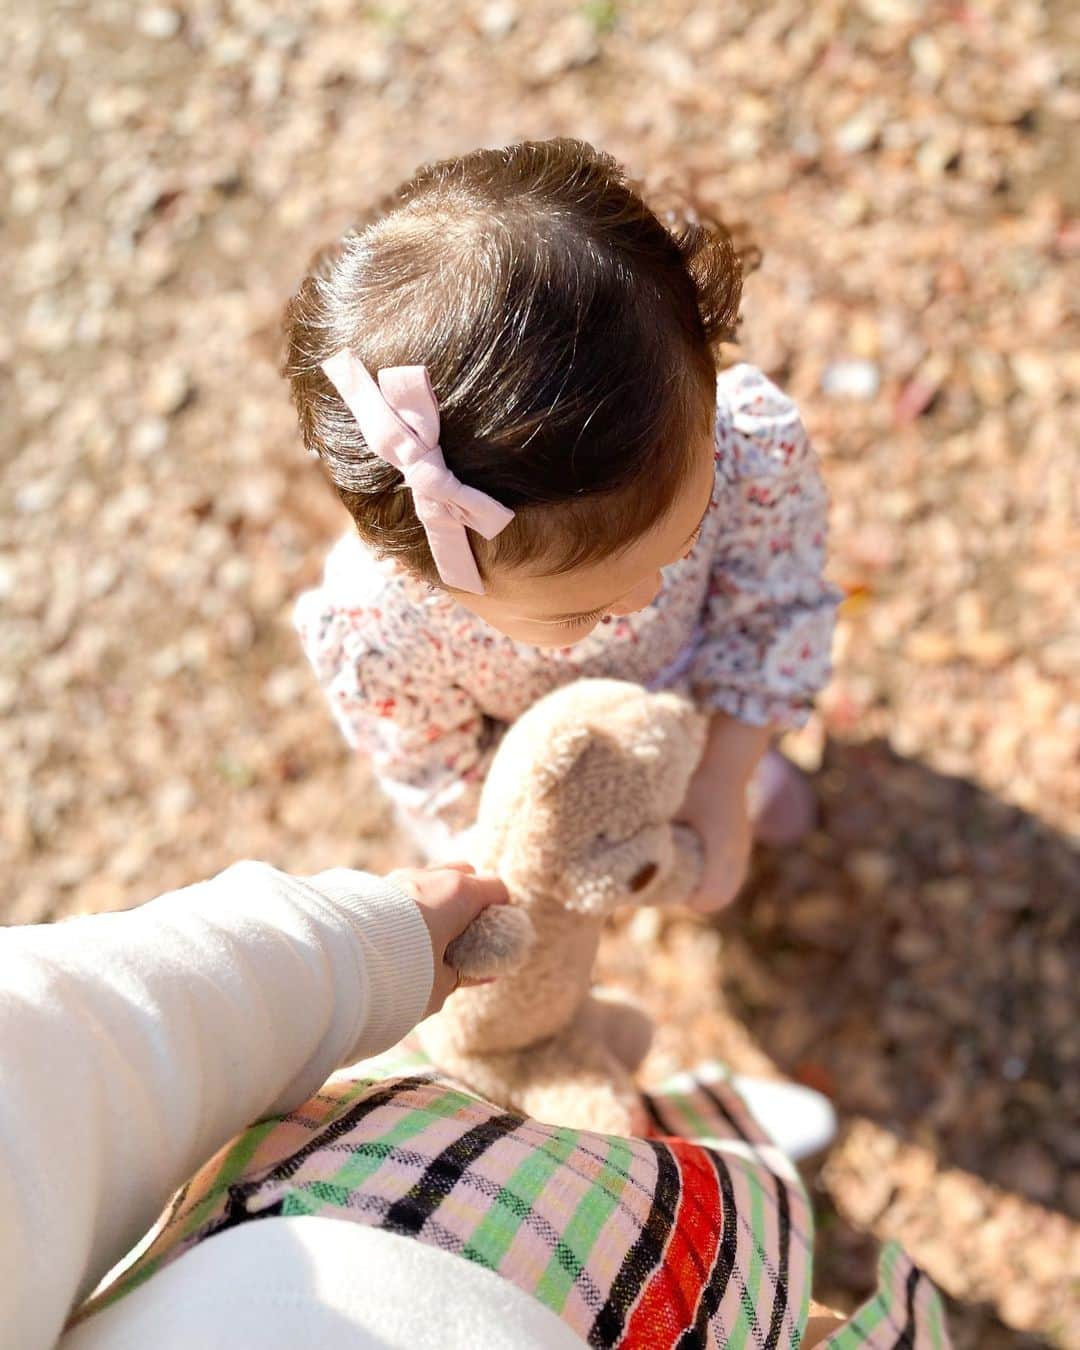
point(743, 624)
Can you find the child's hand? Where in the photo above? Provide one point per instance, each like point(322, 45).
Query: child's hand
point(724, 827)
point(716, 807)
point(449, 898)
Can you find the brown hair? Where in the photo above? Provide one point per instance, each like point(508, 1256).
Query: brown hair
point(567, 332)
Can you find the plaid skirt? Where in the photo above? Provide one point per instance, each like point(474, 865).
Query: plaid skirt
point(698, 1236)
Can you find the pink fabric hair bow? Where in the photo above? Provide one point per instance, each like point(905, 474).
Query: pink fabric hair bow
point(399, 418)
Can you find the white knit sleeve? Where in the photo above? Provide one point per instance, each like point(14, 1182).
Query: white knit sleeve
point(134, 1045)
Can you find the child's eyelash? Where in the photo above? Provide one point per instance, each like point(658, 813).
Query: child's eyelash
point(579, 619)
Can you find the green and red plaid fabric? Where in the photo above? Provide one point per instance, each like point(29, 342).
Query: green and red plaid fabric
point(700, 1236)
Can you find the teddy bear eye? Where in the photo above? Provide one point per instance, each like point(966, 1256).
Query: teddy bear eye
point(643, 876)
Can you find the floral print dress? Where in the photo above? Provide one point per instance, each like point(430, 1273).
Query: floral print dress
point(743, 624)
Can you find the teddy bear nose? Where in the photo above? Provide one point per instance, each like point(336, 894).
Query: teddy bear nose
point(643, 876)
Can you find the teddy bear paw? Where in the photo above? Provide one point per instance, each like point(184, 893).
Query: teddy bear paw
point(497, 942)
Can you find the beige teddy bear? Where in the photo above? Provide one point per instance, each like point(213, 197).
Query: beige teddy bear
point(576, 818)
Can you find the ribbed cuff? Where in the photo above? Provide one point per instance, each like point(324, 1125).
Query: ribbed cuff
point(397, 953)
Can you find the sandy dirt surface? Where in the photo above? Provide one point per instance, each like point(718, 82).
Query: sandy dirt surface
point(909, 170)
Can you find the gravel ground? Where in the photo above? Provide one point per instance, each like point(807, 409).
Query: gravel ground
point(910, 171)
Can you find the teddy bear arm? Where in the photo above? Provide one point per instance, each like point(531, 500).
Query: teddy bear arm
point(497, 942)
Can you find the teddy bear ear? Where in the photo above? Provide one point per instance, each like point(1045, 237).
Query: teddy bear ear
point(564, 750)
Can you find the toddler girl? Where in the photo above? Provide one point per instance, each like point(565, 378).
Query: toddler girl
point(509, 376)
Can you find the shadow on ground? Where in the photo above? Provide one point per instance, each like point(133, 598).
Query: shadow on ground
point(917, 961)
point(846, 1260)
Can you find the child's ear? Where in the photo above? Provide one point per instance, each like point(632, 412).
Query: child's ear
point(565, 748)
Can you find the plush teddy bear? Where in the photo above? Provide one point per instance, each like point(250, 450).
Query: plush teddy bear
point(576, 818)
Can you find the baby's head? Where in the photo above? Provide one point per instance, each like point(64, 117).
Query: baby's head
point(568, 336)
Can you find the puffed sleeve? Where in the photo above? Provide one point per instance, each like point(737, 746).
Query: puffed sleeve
point(425, 736)
point(770, 613)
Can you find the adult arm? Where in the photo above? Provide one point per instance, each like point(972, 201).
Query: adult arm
point(133, 1045)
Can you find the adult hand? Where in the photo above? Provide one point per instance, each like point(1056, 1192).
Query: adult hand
point(449, 898)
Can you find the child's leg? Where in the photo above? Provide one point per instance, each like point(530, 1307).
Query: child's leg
point(782, 804)
point(798, 1120)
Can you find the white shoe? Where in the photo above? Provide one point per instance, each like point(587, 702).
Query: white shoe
point(799, 1121)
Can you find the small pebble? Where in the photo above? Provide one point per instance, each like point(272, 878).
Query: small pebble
point(285, 686)
point(858, 133)
point(927, 57)
point(38, 496)
point(159, 22)
point(851, 379)
point(167, 390)
point(570, 42)
point(498, 20)
point(148, 436)
point(174, 799)
point(870, 870)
